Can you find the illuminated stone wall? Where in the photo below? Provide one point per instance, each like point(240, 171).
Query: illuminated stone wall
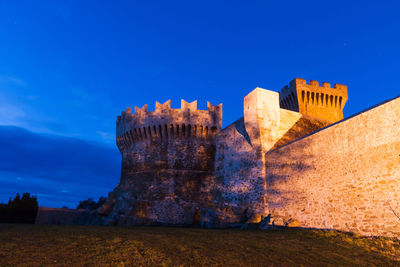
point(345, 177)
point(167, 164)
point(238, 193)
point(178, 167)
point(239, 186)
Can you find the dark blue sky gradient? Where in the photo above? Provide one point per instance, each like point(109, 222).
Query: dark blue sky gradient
point(68, 68)
point(60, 170)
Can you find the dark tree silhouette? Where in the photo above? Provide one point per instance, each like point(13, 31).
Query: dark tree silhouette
point(20, 209)
point(90, 204)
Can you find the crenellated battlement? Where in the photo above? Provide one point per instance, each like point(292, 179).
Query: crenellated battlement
point(165, 108)
point(165, 123)
point(322, 101)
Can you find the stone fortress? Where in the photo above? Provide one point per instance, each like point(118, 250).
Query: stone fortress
point(291, 156)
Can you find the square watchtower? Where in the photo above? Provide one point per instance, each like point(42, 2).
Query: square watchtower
point(322, 102)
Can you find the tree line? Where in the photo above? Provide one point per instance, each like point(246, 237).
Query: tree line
point(21, 209)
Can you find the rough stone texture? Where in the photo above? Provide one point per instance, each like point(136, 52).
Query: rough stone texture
point(167, 168)
point(344, 177)
point(239, 184)
point(239, 188)
point(178, 167)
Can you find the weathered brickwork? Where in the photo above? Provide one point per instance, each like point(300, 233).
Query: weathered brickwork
point(344, 177)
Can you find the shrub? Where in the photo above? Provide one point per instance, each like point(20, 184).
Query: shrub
point(90, 204)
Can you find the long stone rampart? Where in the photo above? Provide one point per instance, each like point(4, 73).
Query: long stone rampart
point(344, 177)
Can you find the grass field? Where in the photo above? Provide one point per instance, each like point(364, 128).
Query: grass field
point(37, 245)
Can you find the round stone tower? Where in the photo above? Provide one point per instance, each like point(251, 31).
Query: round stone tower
point(167, 164)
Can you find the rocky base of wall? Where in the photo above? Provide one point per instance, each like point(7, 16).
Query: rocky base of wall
point(173, 197)
point(207, 219)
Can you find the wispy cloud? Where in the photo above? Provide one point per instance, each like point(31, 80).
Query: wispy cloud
point(7, 79)
point(73, 111)
point(10, 114)
point(60, 170)
point(11, 109)
point(106, 136)
point(14, 112)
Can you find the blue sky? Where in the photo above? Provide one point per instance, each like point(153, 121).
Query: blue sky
point(67, 69)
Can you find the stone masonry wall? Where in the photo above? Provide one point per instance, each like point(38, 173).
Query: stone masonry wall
point(167, 165)
point(239, 186)
point(345, 176)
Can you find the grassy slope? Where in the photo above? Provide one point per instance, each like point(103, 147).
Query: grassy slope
point(35, 245)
